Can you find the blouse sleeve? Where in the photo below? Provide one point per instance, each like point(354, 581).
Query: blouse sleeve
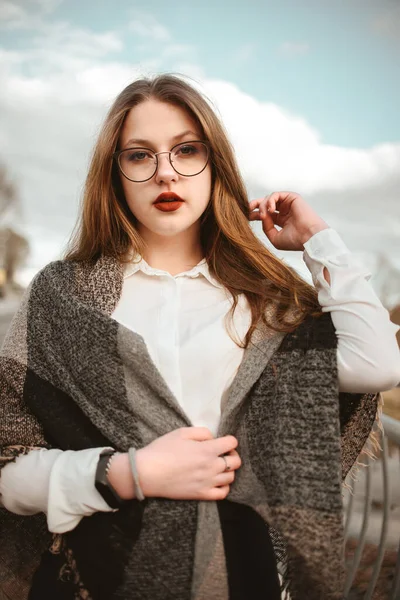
point(58, 483)
point(367, 353)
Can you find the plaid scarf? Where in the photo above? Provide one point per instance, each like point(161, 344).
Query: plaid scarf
point(73, 378)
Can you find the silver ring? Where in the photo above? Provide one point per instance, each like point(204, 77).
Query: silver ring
point(227, 467)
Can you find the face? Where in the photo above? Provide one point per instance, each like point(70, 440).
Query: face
point(160, 125)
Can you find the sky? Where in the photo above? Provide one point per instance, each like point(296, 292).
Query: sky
point(309, 92)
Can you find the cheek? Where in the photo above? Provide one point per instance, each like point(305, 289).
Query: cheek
point(131, 196)
point(205, 186)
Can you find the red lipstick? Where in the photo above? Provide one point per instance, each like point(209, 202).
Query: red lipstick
point(168, 202)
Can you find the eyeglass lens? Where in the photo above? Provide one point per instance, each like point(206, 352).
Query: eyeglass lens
point(139, 164)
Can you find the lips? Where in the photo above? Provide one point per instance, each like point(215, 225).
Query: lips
point(168, 202)
point(168, 197)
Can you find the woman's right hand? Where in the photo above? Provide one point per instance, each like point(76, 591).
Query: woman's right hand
point(186, 464)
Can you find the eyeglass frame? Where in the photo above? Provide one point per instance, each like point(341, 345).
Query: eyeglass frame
point(117, 154)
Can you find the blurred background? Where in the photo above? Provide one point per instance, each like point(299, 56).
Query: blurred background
point(309, 92)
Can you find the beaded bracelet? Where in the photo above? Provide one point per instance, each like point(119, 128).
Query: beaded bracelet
point(132, 459)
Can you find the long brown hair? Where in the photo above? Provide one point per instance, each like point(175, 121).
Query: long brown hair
point(235, 256)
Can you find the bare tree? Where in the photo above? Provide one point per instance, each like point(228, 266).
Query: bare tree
point(14, 247)
point(8, 194)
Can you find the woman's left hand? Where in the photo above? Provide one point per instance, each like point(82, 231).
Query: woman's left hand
point(289, 211)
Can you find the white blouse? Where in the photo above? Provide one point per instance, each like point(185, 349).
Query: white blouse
point(181, 319)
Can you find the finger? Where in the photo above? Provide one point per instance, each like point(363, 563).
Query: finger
point(266, 205)
point(233, 462)
point(269, 228)
point(255, 216)
point(280, 219)
point(272, 201)
point(222, 445)
point(224, 479)
point(232, 453)
point(263, 209)
point(268, 222)
point(199, 434)
point(237, 461)
point(283, 200)
point(280, 201)
point(274, 216)
point(218, 493)
point(263, 205)
point(253, 204)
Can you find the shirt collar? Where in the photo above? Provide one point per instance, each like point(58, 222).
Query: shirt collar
point(139, 264)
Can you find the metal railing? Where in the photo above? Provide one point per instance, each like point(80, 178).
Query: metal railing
point(363, 490)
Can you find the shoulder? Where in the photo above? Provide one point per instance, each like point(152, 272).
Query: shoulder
point(105, 268)
point(58, 271)
point(96, 283)
point(55, 267)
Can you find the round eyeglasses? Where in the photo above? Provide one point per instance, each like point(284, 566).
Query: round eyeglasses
point(140, 164)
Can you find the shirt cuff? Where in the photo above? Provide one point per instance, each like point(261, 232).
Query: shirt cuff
point(72, 492)
point(325, 244)
point(327, 249)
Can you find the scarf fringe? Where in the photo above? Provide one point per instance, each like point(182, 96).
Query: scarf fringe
point(9, 454)
point(284, 578)
point(371, 448)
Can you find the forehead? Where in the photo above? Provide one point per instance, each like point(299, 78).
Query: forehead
point(157, 122)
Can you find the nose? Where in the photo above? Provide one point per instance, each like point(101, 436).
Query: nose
point(165, 172)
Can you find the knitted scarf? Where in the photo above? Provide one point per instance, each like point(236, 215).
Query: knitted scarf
point(73, 378)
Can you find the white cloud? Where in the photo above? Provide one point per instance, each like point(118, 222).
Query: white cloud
point(78, 41)
point(25, 14)
point(46, 6)
point(355, 190)
point(59, 46)
point(9, 11)
point(278, 149)
point(293, 49)
point(146, 26)
point(53, 101)
point(388, 23)
point(62, 64)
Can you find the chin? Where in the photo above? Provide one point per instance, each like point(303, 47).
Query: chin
point(169, 229)
point(172, 231)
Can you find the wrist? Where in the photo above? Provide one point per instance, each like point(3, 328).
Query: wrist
point(144, 478)
point(120, 477)
point(312, 230)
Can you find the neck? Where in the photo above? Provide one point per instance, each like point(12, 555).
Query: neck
point(173, 254)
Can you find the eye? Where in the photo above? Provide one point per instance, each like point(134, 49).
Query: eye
point(186, 150)
point(137, 155)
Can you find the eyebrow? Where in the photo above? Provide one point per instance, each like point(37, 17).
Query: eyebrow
point(147, 143)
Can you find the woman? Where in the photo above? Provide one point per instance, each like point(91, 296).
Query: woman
point(169, 328)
